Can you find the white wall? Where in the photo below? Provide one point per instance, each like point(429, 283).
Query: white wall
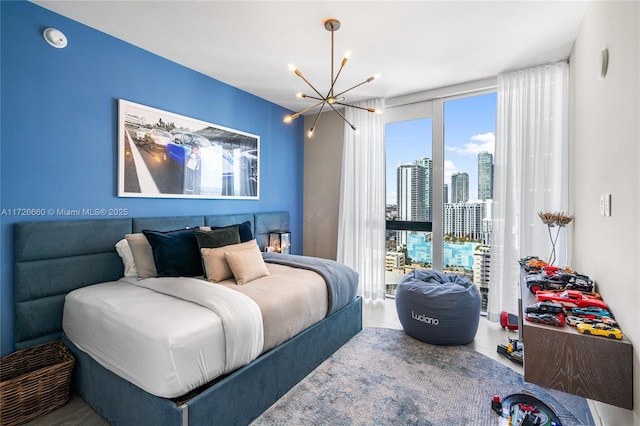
point(605, 159)
point(322, 172)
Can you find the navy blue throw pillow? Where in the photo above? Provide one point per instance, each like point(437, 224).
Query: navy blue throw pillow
point(244, 229)
point(175, 253)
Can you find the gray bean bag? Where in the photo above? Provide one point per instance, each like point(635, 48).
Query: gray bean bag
point(437, 308)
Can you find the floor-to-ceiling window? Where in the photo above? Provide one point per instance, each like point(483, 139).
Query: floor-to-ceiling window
point(440, 186)
point(469, 137)
point(409, 200)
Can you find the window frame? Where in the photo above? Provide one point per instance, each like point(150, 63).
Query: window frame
point(430, 104)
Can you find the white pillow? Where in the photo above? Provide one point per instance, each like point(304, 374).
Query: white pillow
point(124, 251)
point(247, 264)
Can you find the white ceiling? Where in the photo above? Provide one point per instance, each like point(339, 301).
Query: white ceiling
point(414, 45)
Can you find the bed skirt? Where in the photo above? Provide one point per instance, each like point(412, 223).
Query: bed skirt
point(237, 399)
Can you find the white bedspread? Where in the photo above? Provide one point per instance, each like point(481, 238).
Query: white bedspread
point(202, 332)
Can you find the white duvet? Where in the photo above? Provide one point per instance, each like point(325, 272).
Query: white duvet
point(166, 335)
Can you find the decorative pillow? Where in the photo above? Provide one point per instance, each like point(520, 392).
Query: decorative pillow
point(215, 264)
point(246, 265)
point(142, 255)
point(244, 229)
point(175, 253)
point(217, 237)
point(124, 251)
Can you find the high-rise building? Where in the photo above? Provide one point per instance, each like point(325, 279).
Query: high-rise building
point(411, 192)
point(428, 185)
point(485, 176)
point(459, 188)
point(445, 195)
point(481, 271)
point(469, 220)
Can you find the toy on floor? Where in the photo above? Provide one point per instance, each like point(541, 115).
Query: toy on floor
point(513, 351)
point(521, 409)
point(508, 321)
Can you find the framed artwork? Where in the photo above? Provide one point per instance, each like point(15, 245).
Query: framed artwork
point(167, 155)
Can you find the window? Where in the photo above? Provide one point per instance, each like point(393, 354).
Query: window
point(409, 171)
point(469, 138)
point(440, 187)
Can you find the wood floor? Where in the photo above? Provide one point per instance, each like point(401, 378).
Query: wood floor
point(380, 313)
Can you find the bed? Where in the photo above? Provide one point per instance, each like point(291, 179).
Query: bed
point(54, 258)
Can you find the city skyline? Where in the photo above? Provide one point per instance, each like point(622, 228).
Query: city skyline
point(469, 129)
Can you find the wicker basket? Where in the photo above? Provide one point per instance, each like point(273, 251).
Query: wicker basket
point(34, 381)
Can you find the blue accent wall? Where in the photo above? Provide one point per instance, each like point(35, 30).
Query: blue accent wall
point(59, 121)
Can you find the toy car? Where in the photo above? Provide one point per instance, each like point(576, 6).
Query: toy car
point(523, 262)
point(591, 312)
point(539, 282)
point(550, 319)
point(571, 299)
point(600, 329)
point(550, 270)
point(534, 265)
point(544, 308)
point(574, 281)
point(558, 281)
point(586, 293)
point(574, 320)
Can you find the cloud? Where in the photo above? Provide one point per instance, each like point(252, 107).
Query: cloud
point(484, 142)
point(449, 169)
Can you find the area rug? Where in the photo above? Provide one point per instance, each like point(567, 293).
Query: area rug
point(385, 377)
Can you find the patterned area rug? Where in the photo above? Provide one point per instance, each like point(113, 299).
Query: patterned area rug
point(383, 377)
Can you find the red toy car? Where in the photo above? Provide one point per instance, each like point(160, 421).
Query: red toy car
point(571, 299)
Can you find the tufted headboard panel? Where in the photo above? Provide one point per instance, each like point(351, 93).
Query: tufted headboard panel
point(55, 257)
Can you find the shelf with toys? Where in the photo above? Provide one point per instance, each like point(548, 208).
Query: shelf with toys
point(571, 340)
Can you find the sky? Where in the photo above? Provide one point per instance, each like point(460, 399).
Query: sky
point(469, 128)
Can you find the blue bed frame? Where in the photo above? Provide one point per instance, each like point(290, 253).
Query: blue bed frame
point(54, 258)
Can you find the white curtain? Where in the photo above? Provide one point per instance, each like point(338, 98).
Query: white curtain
point(530, 174)
point(361, 225)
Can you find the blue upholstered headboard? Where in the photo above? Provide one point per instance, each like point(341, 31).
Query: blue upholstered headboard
point(54, 258)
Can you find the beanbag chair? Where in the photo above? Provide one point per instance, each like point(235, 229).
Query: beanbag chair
point(437, 308)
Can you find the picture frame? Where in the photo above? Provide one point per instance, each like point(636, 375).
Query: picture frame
point(162, 154)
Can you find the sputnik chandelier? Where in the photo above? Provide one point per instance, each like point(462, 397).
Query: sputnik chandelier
point(331, 99)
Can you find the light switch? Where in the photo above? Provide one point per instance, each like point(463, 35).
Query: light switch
point(605, 205)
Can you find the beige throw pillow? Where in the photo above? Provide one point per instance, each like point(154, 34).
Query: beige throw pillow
point(215, 264)
point(246, 265)
point(142, 255)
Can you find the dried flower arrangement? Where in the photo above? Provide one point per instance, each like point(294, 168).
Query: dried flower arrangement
point(553, 219)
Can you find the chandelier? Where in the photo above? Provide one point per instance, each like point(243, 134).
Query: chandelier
point(331, 99)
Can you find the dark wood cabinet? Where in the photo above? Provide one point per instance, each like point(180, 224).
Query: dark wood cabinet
point(561, 358)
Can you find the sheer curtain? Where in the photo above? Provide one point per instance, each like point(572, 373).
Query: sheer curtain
point(361, 225)
point(530, 174)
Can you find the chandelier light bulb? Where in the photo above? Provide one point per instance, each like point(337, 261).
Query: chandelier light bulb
point(310, 134)
point(301, 95)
